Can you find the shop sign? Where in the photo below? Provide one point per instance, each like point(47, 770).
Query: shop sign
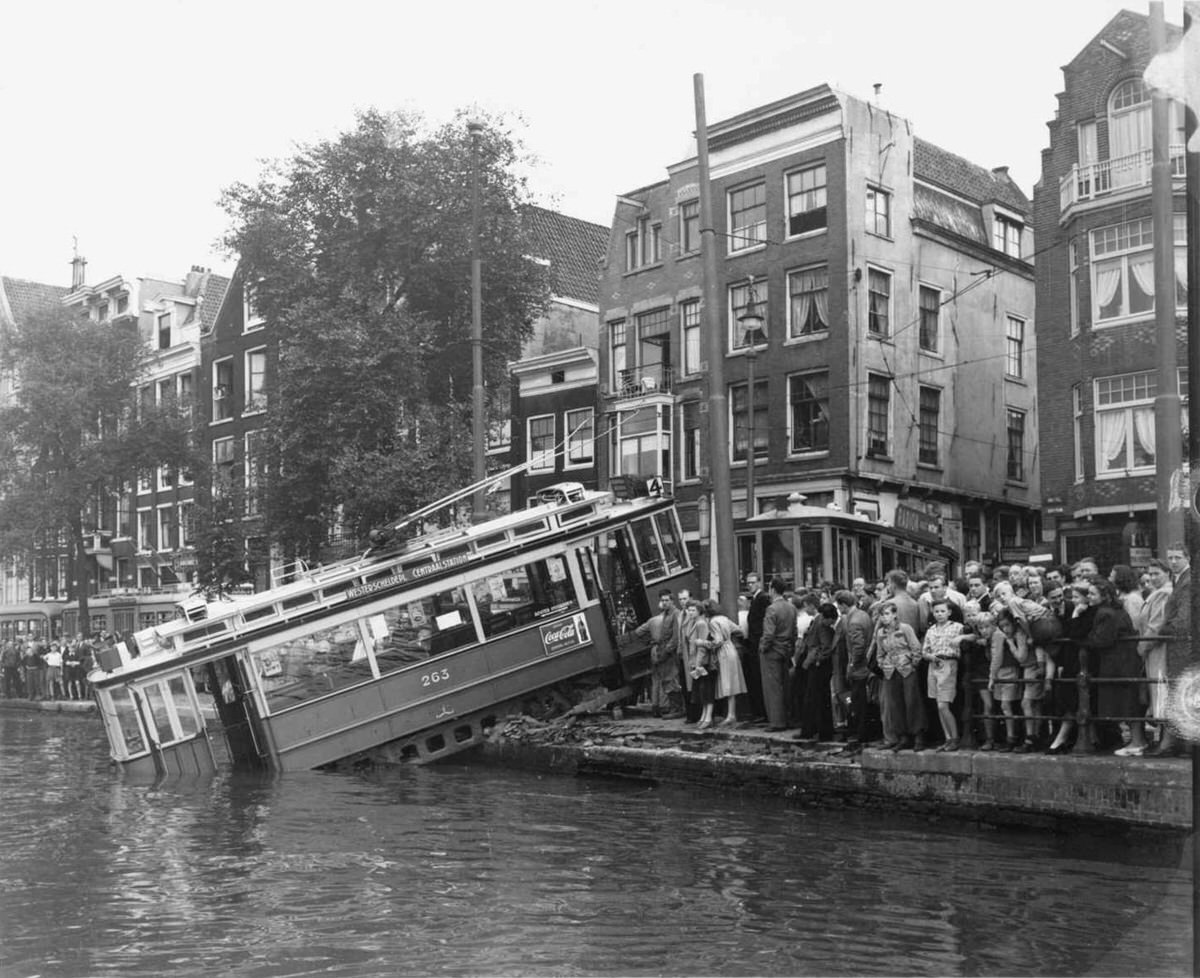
point(917, 521)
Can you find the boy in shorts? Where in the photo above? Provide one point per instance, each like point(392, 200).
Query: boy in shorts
point(940, 650)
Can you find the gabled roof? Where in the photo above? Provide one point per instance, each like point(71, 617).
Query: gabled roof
point(574, 249)
point(212, 294)
point(966, 179)
point(20, 298)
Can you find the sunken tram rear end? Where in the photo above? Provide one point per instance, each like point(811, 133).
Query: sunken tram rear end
point(407, 654)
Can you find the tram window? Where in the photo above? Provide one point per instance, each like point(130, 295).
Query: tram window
point(412, 631)
point(126, 717)
point(591, 587)
point(778, 558)
point(525, 529)
point(672, 540)
point(812, 559)
point(311, 665)
point(521, 595)
point(157, 703)
point(649, 556)
point(189, 723)
point(747, 555)
point(495, 540)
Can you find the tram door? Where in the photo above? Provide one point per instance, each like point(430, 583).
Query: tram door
point(235, 708)
point(633, 607)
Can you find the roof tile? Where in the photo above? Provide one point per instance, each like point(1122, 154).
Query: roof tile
point(574, 249)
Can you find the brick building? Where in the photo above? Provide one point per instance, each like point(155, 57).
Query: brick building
point(896, 369)
point(553, 385)
point(1096, 347)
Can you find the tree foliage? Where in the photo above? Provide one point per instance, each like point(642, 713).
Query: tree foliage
point(360, 248)
point(72, 433)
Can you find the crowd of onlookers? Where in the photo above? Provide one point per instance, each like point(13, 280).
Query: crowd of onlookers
point(901, 663)
point(34, 668)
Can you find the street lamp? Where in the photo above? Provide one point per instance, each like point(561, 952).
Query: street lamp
point(753, 326)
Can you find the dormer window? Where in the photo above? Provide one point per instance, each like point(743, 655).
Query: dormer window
point(102, 312)
point(164, 330)
point(122, 305)
point(1006, 235)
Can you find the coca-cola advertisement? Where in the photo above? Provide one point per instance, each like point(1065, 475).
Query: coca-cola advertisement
point(567, 633)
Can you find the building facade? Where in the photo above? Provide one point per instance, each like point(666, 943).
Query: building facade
point(892, 364)
point(553, 387)
point(238, 353)
point(1097, 348)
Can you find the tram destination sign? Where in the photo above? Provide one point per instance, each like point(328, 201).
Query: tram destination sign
point(569, 633)
point(917, 521)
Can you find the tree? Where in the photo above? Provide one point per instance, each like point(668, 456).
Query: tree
point(73, 431)
point(359, 248)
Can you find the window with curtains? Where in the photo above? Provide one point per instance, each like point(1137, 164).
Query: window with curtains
point(689, 325)
point(808, 301)
point(808, 396)
point(1128, 119)
point(1124, 414)
point(1123, 270)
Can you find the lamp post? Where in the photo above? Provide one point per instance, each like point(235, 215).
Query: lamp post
point(753, 326)
point(478, 435)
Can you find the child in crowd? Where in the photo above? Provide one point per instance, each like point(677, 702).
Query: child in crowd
point(940, 650)
point(1009, 648)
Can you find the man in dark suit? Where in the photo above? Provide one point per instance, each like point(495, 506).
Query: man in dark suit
point(759, 602)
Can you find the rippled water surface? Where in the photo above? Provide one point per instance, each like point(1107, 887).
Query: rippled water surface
point(464, 870)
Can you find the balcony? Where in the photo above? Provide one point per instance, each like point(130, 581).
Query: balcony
point(656, 378)
point(1095, 180)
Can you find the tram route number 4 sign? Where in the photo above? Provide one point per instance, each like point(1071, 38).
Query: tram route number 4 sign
point(564, 634)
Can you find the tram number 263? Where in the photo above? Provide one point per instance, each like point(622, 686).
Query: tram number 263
point(435, 677)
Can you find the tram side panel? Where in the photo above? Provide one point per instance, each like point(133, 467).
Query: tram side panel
point(435, 692)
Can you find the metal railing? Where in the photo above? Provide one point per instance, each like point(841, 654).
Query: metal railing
point(1084, 681)
point(656, 378)
point(1093, 180)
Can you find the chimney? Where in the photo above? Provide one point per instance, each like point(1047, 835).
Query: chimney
point(78, 264)
point(1000, 172)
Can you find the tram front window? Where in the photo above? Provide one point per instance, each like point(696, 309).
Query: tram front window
point(313, 664)
point(778, 558)
point(125, 716)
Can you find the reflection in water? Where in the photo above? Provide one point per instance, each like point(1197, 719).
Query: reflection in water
point(460, 870)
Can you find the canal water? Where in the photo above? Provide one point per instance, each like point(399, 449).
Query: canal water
point(467, 870)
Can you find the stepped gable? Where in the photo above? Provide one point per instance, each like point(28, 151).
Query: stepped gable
point(966, 179)
point(574, 249)
point(20, 297)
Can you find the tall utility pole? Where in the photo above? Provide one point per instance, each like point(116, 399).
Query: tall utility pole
point(478, 434)
point(721, 546)
point(1168, 446)
point(1191, 11)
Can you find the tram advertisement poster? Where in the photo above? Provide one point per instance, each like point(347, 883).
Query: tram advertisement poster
point(570, 633)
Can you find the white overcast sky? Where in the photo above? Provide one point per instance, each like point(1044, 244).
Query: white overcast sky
point(120, 122)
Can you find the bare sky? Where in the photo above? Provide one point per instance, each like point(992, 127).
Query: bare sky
point(122, 121)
